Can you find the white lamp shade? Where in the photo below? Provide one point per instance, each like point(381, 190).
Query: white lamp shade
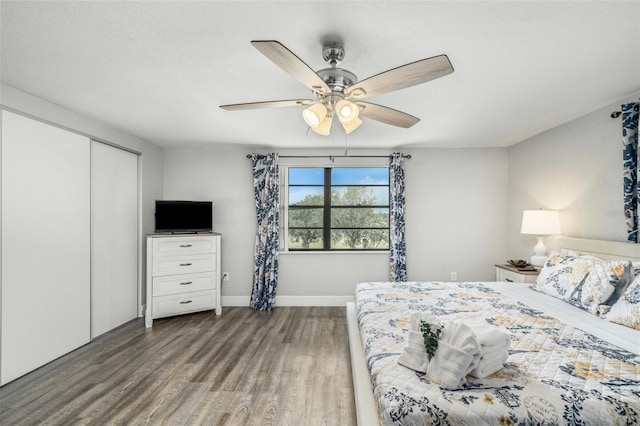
point(347, 111)
point(540, 222)
point(325, 126)
point(352, 125)
point(315, 115)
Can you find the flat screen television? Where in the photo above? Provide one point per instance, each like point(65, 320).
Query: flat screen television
point(184, 216)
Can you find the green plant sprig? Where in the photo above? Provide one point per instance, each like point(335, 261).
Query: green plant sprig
point(430, 336)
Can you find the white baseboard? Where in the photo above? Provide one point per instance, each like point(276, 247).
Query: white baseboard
point(235, 301)
point(292, 300)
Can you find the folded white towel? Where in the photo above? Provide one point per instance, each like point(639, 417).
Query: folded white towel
point(488, 367)
point(492, 352)
point(415, 339)
point(414, 355)
point(490, 335)
point(414, 359)
point(495, 342)
point(455, 354)
point(449, 365)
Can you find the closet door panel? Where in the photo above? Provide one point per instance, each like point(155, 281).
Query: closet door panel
point(45, 244)
point(114, 252)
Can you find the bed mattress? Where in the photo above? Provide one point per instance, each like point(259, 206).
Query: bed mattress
point(556, 373)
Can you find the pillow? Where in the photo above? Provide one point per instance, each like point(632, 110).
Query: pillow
point(624, 283)
point(626, 310)
point(584, 281)
point(635, 270)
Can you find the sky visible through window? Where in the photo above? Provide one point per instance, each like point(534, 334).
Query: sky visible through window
point(339, 176)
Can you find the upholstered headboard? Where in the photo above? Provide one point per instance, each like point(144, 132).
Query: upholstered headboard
point(608, 250)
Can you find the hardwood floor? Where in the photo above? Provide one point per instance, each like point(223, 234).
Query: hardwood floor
point(290, 366)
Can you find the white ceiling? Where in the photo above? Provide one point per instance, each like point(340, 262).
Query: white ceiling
point(159, 70)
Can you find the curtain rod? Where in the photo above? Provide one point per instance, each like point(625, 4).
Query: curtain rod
point(408, 156)
point(616, 114)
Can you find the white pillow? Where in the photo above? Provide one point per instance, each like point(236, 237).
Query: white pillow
point(583, 281)
point(626, 310)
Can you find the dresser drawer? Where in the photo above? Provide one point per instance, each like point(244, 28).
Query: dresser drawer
point(506, 275)
point(173, 284)
point(175, 246)
point(183, 303)
point(509, 276)
point(173, 265)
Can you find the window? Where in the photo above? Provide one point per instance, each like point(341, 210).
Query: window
point(338, 208)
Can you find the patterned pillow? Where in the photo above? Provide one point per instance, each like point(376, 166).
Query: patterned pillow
point(626, 310)
point(584, 281)
point(635, 269)
point(624, 284)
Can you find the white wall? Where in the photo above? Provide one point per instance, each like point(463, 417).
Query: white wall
point(222, 175)
point(456, 214)
point(457, 203)
point(464, 206)
point(151, 170)
point(575, 168)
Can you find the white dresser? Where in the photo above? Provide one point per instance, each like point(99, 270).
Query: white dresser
point(182, 275)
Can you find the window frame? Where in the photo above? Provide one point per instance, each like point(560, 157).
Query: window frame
point(327, 207)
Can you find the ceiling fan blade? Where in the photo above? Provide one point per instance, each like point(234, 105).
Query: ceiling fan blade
point(267, 104)
point(387, 115)
point(288, 61)
point(404, 76)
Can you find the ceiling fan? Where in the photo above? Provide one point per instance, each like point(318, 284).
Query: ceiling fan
point(338, 92)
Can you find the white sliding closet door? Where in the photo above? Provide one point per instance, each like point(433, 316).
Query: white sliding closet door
point(114, 251)
point(45, 244)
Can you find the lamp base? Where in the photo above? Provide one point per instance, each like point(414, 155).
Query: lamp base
point(538, 261)
point(539, 258)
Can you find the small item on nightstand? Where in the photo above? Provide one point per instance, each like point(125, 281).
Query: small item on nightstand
point(521, 264)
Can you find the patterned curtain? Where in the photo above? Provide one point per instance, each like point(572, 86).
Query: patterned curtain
point(266, 194)
point(397, 248)
point(631, 162)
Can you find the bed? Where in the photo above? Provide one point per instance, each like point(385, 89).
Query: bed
point(565, 365)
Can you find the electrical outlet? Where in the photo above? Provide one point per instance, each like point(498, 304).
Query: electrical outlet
point(454, 276)
point(225, 276)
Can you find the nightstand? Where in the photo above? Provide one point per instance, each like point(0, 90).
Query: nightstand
point(511, 274)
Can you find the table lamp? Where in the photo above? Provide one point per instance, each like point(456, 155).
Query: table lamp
point(540, 223)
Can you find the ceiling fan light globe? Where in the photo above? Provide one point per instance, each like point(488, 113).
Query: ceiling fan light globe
point(314, 115)
point(324, 128)
point(347, 111)
point(352, 125)
point(310, 118)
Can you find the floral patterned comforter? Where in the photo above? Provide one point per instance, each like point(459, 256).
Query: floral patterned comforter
point(555, 373)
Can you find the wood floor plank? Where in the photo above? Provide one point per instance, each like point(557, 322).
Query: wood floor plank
point(289, 366)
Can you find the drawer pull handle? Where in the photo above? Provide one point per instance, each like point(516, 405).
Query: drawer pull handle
point(185, 264)
point(185, 302)
point(185, 246)
point(508, 280)
point(187, 283)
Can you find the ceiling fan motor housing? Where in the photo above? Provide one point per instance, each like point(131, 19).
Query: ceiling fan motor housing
point(338, 79)
point(333, 54)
